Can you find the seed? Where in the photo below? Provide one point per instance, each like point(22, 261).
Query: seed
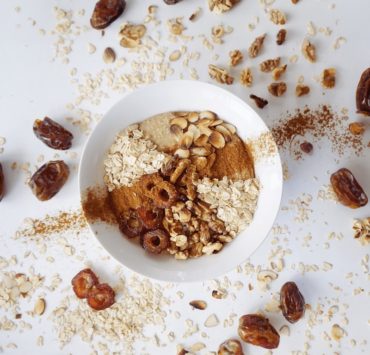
point(207, 114)
point(200, 151)
point(194, 130)
point(204, 130)
point(201, 141)
point(109, 55)
point(175, 55)
point(39, 306)
point(217, 140)
point(176, 130)
point(216, 123)
point(230, 127)
point(225, 132)
point(182, 153)
point(198, 304)
point(180, 121)
point(193, 117)
point(186, 140)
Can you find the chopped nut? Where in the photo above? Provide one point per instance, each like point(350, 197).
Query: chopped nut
point(337, 332)
point(246, 77)
point(277, 17)
point(219, 293)
point(277, 89)
point(357, 128)
point(302, 90)
point(278, 72)
point(217, 140)
point(309, 51)
point(211, 321)
point(39, 306)
point(198, 304)
point(260, 102)
point(220, 6)
point(109, 55)
point(361, 228)
point(256, 46)
point(220, 75)
point(269, 65)
point(131, 35)
point(281, 37)
point(236, 57)
point(175, 26)
point(328, 78)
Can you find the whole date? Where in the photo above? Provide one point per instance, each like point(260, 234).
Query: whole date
point(292, 302)
point(105, 12)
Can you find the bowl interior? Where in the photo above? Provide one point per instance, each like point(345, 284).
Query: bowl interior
point(176, 96)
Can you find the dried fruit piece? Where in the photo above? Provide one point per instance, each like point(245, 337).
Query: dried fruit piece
point(52, 134)
point(347, 189)
point(149, 181)
point(306, 147)
point(277, 17)
point(219, 74)
point(2, 184)
point(281, 37)
point(49, 179)
point(236, 56)
point(309, 51)
point(246, 77)
point(130, 224)
point(198, 304)
point(164, 194)
point(356, 128)
point(328, 78)
point(302, 90)
point(109, 55)
point(171, 2)
point(363, 93)
point(230, 347)
point(292, 302)
point(277, 89)
point(278, 72)
point(256, 329)
point(105, 12)
point(83, 282)
point(156, 241)
point(256, 46)
point(260, 102)
point(269, 65)
point(101, 297)
point(151, 218)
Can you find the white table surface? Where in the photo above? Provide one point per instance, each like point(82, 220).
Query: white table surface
point(33, 85)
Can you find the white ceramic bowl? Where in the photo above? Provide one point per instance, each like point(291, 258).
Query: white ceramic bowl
point(176, 96)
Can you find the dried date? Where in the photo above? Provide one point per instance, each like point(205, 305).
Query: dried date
point(347, 189)
point(256, 329)
point(1, 182)
point(52, 134)
point(363, 93)
point(105, 12)
point(292, 302)
point(49, 179)
point(83, 282)
point(101, 297)
point(230, 347)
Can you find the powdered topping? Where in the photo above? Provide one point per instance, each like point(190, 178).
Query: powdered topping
point(235, 201)
point(130, 157)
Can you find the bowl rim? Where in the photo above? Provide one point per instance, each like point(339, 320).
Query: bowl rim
point(205, 85)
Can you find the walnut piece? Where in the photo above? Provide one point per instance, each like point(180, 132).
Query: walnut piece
point(220, 75)
point(278, 72)
point(269, 65)
point(361, 228)
point(302, 90)
point(277, 17)
point(256, 46)
point(246, 77)
point(281, 37)
point(131, 35)
point(220, 6)
point(236, 56)
point(309, 51)
point(277, 89)
point(328, 78)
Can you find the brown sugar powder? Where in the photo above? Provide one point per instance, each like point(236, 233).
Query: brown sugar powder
point(319, 123)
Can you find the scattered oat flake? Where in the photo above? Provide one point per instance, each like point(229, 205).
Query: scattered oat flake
point(211, 321)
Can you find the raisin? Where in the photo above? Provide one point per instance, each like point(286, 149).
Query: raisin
point(101, 297)
point(306, 147)
point(260, 102)
point(1, 182)
point(156, 241)
point(83, 282)
point(281, 36)
point(105, 12)
point(52, 134)
point(230, 347)
point(363, 93)
point(256, 329)
point(347, 189)
point(49, 179)
point(291, 302)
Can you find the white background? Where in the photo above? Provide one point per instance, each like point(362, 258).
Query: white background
point(33, 85)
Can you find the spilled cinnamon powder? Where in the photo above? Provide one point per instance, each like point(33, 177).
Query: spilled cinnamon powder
point(319, 123)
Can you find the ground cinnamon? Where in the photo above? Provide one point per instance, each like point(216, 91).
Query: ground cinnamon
point(97, 206)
